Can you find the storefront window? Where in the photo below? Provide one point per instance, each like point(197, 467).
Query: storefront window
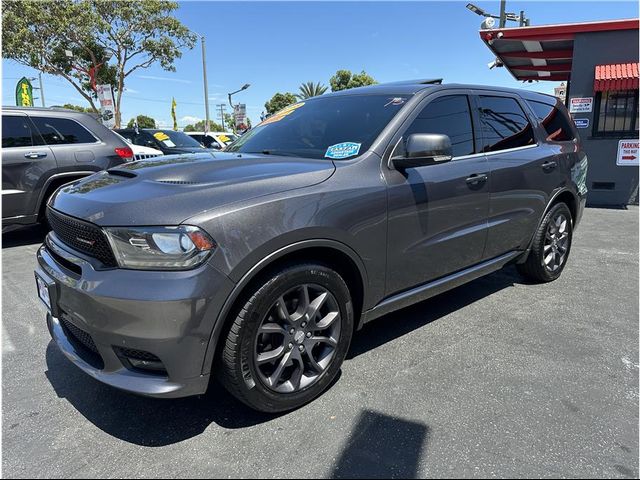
point(616, 114)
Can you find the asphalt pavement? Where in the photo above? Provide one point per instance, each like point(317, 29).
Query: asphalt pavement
point(497, 378)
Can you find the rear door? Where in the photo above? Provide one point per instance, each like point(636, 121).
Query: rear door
point(522, 171)
point(26, 164)
point(438, 213)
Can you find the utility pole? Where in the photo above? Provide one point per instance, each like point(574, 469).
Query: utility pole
point(206, 88)
point(41, 88)
point(503, 13)
point(222, 108)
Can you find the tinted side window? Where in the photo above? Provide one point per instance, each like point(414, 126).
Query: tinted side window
point(16, 132)
point(62, 131)
point(504, 124)
point(449, 116)
point(553, 120)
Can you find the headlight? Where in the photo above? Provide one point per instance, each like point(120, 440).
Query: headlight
point(160, 248)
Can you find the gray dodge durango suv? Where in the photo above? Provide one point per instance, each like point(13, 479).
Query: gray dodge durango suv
point(257, 265)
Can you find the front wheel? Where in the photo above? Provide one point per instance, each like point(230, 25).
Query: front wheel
point(288, 341)
point(551, 246)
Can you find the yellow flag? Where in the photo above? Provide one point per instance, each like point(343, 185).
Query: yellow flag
point(173, 113)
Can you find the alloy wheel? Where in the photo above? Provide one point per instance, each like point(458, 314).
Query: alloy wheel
point(297, 339)
point(556, 243)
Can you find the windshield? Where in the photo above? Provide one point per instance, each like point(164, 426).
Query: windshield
point(171, 139)
point(334, 127)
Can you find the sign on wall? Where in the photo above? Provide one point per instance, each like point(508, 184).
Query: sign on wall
point(581, 122)
point(581, 105)
point(107, 108)
point(627, 153)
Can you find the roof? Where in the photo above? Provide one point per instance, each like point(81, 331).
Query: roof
point(544, 52)
point(617, 76)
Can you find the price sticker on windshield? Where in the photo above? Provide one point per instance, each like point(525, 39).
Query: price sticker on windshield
point(343, 150)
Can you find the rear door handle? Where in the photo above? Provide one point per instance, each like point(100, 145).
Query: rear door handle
point(34, 155)
point(477, 179)
point(549, 165)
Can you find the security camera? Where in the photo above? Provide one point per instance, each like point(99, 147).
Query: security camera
point(496, 63)
point(488, 23)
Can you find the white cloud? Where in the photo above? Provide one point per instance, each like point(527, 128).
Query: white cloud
point(130, 90)
point(189, 119)
point(164, 79)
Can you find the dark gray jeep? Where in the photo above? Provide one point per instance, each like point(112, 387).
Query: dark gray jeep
point(257, 266)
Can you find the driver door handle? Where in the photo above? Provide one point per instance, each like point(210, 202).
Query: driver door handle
point(549, 165)
point(477, 179)
point(35, 155)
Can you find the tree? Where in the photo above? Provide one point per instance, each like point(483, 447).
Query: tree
point(279, 101)
point(310, 89)
point(199, 127)
point(344, 79)
point(136, 34)
point(78, 108)
point(143, 122)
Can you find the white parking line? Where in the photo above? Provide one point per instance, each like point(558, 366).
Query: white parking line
point(7, 345)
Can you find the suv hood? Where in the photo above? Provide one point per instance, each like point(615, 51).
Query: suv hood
point(167, 190)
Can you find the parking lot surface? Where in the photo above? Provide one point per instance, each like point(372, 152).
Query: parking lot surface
point(496, 378)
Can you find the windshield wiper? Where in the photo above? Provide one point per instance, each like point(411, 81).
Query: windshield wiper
point(274, 152)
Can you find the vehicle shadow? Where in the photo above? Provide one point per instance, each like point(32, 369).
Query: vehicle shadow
point(398, 324)
point(381, 446)
point(33, 234)
point(157, 422)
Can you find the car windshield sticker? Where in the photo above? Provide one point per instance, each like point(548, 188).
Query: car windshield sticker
point(224, 138)
point(342, 150)
point(276, 117)
point(395, 101)
point(164, 138)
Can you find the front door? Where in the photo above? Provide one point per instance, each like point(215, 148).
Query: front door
point(437, 221)
point(26, 162)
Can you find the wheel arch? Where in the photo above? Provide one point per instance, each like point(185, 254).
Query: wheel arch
point(53, 183)
point(332, 253)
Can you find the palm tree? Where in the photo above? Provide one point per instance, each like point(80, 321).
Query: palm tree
point(310, 89)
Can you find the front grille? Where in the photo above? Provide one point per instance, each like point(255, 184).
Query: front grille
point(83, 343)
point(83, 236)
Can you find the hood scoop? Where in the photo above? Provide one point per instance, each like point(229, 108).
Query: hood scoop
point(178, 182)
point(121, 173)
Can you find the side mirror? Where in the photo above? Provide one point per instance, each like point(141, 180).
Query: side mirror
point(150, 144)
point(424, 149)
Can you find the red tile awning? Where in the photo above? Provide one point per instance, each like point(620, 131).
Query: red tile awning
point(617, 76)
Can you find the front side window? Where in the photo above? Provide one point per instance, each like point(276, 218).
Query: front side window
point(555, 122)
point(16, 132)
point(616, 113)
point(504, 124)
point(333, 127)
point(62, 131)
point(450, 116)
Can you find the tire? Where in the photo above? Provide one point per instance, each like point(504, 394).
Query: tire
point(553, 238)
point(276, 359)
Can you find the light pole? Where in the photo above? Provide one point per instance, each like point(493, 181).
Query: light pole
point(502, 18)
point(244, 87)
point(207, 124)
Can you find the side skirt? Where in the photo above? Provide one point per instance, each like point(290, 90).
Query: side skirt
point(435, 287)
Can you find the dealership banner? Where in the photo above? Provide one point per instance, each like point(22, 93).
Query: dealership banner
point(107, 107)
point(240, 115)
point(24, 93)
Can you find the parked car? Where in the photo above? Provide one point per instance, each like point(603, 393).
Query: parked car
point(140, 152)
point(215, 140)
point(257, 266)
point(44, 148)
point(169, 142)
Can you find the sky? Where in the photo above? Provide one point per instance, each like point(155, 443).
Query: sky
point(276, 46)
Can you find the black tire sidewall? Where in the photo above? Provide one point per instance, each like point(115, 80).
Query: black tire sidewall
point(558, 208)
point(255, 392)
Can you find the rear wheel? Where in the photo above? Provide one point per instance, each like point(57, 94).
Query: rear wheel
point(551, 246)
point(287, 343)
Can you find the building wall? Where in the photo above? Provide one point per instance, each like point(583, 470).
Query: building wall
point(589, 50)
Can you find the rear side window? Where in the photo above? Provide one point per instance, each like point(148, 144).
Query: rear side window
point(504, 124)
point(553, 120)
point(62, 131)
point(450, 116)
point(16, 132)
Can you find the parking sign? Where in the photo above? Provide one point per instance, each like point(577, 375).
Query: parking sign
point(627, 153)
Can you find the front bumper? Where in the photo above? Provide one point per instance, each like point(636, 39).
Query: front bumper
point(169, 315)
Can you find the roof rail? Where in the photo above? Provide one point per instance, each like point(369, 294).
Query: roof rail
point(423, 81)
